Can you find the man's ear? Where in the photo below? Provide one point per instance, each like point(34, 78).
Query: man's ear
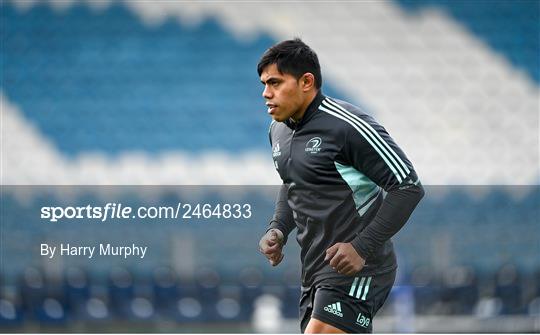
point(307, 81)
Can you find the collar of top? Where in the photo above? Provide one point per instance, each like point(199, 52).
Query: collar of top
point(311, 109)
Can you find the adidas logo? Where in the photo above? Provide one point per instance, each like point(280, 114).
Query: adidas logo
point(276, 151)
point(334, 308)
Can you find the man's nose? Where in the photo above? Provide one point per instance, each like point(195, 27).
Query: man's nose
point(267, 94)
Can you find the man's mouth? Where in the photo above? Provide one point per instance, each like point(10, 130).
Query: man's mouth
point(271, 107)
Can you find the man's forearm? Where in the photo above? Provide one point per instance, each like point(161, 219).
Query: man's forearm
point(396, 209)
point(283, 218)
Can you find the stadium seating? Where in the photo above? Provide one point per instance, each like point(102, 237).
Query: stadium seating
point(226, 290)
point(510, 28)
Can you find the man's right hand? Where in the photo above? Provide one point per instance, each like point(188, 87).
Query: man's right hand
point(271, 245)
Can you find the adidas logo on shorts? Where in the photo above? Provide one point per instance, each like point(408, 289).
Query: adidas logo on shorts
point(334, 308)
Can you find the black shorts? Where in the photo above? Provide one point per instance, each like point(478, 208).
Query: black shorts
point(349, 307)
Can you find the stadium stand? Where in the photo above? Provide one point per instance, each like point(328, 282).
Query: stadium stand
point(450, 85)
point(226, 291)
point(509, 28)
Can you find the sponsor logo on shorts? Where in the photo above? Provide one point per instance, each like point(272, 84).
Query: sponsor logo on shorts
point(363, 321)
point(334, 308)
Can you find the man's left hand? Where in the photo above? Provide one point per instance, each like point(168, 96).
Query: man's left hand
point(344, 259)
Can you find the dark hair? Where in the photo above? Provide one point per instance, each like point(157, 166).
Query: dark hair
point(293, 57)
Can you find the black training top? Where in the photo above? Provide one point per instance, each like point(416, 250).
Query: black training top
point(336, 164)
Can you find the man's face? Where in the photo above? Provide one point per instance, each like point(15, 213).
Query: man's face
point(283, 94)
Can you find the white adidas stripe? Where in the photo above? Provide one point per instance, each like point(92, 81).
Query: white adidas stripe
point(340, 116)
point(394, 157)
point(360, 288)
point(370, 128)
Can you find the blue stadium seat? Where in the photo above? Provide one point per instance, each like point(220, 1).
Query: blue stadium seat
point(508, 288)
point(120, 291)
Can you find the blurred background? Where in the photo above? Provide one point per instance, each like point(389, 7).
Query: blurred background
point(166, 93)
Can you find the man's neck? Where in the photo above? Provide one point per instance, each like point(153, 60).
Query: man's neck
point(298, 117)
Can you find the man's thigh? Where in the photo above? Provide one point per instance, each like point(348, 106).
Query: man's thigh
point(318, 327)
point(350, 307)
